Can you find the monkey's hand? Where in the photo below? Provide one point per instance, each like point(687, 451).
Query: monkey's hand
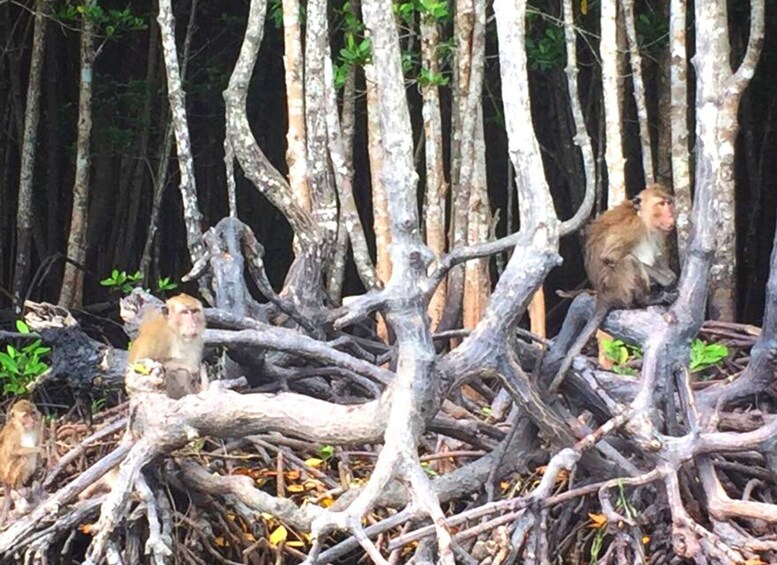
point(663, 298)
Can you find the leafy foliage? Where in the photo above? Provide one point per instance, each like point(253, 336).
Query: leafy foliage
point(428, 78)
point(110, 23)
point(548, 51)
point(705, 355)
point(120, 280)
point(164, 284)
point(620, 353)
point(20, 367)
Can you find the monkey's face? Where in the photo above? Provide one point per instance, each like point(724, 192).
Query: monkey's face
point(25, 416)
point(658, 213)
point(187, 323)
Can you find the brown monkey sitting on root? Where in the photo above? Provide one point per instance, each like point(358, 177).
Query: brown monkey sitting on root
point(173, 337)
point(20, 441)
point(625, 250)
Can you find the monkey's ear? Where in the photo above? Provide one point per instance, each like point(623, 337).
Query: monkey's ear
point(636, 202)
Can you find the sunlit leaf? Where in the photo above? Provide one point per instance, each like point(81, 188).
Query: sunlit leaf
point(314, 462)
point(295, 488)
point(279, 535)
point(598, 521)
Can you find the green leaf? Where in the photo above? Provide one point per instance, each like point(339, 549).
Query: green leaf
point(21, 327)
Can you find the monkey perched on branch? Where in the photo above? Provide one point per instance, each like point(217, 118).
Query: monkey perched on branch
point(20, 441)
point(173, 337)
point(624, 253)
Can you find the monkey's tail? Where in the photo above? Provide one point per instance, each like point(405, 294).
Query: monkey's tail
point(600, 313)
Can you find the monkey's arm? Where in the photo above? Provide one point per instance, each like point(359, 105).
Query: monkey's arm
point(616, 247)
point(663, 276)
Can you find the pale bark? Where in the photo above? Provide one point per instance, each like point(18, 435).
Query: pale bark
point(469, 31)
point(639, 91)
point(376, 156)
point(163, 158)
point(581, 139)
point(405, 307)
point(535, 202)
point(349, 215)
point(296, 155)
point(681, 168)
point(611, 88)
point(436, 186)
point(247, 152)
point(319, 177)
point(28, 151)
point(718, 94)
point(70, 295)
point(177, 98)
point(477, 279)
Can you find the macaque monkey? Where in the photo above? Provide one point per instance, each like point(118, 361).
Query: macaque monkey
point(173, 337)
point(20, 441)
point(624, 253)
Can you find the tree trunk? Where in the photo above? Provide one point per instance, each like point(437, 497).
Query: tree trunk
point(319, 176)
point(477, 285)
point(469, 32)
point(681, 167)
point(71, 294)
point(611, 88)
point(163, 157)
point(379, 200)
point(29, 145)
point(296, 140)
point(191, 210)
point(639, 91)
point(718, 97)
point(436, 187)
point(581, 137)
point(349, 215)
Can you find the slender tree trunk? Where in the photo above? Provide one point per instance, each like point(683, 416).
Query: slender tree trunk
point(54, 146)
point(319, 177)
point(661, 67)
point(477, 286)
point(191, 210)
point(581, 137)
point(349, 215)
point(29, 145)
point(718, 94)
point(639, 91)
point(681, 168)
point(379, 203)
point(611, 88)
point(469, 32)
point(296, 140)
point(127, 252)
point(163, 161)
point(71, 294)
point(436, 187)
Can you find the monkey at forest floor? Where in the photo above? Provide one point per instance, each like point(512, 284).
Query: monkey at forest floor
point(174, 338)
point(20, 441)
point(625, 251)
